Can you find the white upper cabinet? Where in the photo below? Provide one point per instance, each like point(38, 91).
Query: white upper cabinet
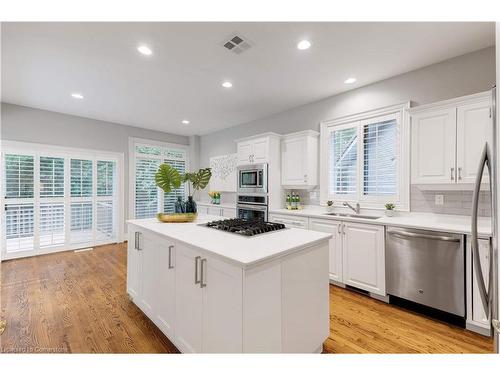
point(257, 149)
point(448, 138)
point(299, 159)
point(433, 146)
point(474, 128)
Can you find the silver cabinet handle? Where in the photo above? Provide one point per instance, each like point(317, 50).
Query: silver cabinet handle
point(343, 229)
point(486, 294)
point(139, 234)
point(401, 233)
point(459, 173)
point(202, 277)
point(196, 261)
point(452, 178)
point(136, 242)
point(339, 229)
point(170, 248)
point(305, 178)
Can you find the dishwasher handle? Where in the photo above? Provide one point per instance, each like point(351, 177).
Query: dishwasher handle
point(402, 233)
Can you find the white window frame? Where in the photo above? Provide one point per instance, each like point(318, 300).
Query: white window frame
point(133, 142)
point(401, 199)
point(68, 153)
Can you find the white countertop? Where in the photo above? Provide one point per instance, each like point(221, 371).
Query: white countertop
point(429, 221)
point(241, 250)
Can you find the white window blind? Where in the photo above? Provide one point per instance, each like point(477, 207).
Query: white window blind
point(81, 223)
point(177, 160)
point(146, 192)
point(51, 224)
point(81, 178)
point(105, 178)
point(380, 170)
point(19, 227)
point(19, 176)
point(51, 177)
point(343, 161)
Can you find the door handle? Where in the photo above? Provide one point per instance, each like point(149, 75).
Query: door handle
point(202, 276)
point(485, 161)
point(401, 233)
point(196, 261)
point(170, 248)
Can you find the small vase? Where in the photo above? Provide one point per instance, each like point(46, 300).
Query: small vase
point(389, 213)
point(180, 206)
point(329, 208)
point(190, 206)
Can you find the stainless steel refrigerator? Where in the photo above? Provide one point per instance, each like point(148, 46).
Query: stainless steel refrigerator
point(489, 292)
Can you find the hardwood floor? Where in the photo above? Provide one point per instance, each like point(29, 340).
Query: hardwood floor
point(76, 303)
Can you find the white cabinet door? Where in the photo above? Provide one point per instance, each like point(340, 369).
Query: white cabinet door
point(165, 285)
point(222, 307)
point(244, 150)
point(335, 244)
point(188, 300)
point(133, 265)
point(433, 136)
point(474, 129)
point(148, 274)
point(293, 161)
point(478, 314)
point(260, 152)
point(216, 211)
point(364, 257)
point(229, 212)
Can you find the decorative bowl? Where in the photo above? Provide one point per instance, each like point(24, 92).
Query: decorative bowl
point(176, 218)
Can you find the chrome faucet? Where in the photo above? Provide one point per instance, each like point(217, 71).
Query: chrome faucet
point(355, 209)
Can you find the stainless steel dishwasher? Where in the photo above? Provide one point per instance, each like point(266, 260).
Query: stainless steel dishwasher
point(426, 267)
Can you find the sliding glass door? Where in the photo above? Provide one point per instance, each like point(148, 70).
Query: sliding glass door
point(55, 200)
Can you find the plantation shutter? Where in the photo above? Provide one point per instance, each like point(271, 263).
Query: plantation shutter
point(343, 161)
point(19, 202)
point(177, 160)
point(105, 218)
point(379, 159)
point(81, 230)
point(146, 192)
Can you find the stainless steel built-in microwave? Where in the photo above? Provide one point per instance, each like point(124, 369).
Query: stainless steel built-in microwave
point(252, 178)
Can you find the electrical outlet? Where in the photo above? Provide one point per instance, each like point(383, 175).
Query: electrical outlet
point(439, 200)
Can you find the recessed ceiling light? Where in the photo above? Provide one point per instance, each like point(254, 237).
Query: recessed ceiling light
point(350, 80)
point(304, 44)
point(227, 84)
point(145, 50)
point(185, 122)
point(77, 95)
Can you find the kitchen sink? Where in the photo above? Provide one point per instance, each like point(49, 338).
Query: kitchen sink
point(370, 217)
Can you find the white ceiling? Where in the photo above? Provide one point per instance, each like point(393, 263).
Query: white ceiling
point(42, 63)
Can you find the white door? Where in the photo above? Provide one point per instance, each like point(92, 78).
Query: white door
point(474, 128)
point(335, 244)
point(260, 150)
point(364, 257)
point(293, 161)
point(433, 146)
point(478, 314)
point(165, 306)
point(133, 264)
point(148, 274)
point(188, 300)
point(222, 307)
point(244, 150)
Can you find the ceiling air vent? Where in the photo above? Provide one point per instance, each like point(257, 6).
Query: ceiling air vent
point(236, 43)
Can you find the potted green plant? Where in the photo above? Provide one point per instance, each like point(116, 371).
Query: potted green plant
point(168, 178)
point(329, 206)
point(389, 209)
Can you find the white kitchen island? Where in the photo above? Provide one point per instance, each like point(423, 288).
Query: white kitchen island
point(211, 291)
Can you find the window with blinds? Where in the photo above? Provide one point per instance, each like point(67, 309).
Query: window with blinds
point(379, 158)
point(57, 202)
point(363, 160)
point(343, 161)
point(148, 198)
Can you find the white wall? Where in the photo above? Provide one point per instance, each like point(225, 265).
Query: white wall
point(459, 76)
point(27, 124)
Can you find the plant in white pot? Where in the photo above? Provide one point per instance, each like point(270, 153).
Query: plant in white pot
point(389, 209)
point(329, 206)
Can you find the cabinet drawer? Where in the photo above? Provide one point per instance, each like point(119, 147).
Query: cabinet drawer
point(290, 221)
